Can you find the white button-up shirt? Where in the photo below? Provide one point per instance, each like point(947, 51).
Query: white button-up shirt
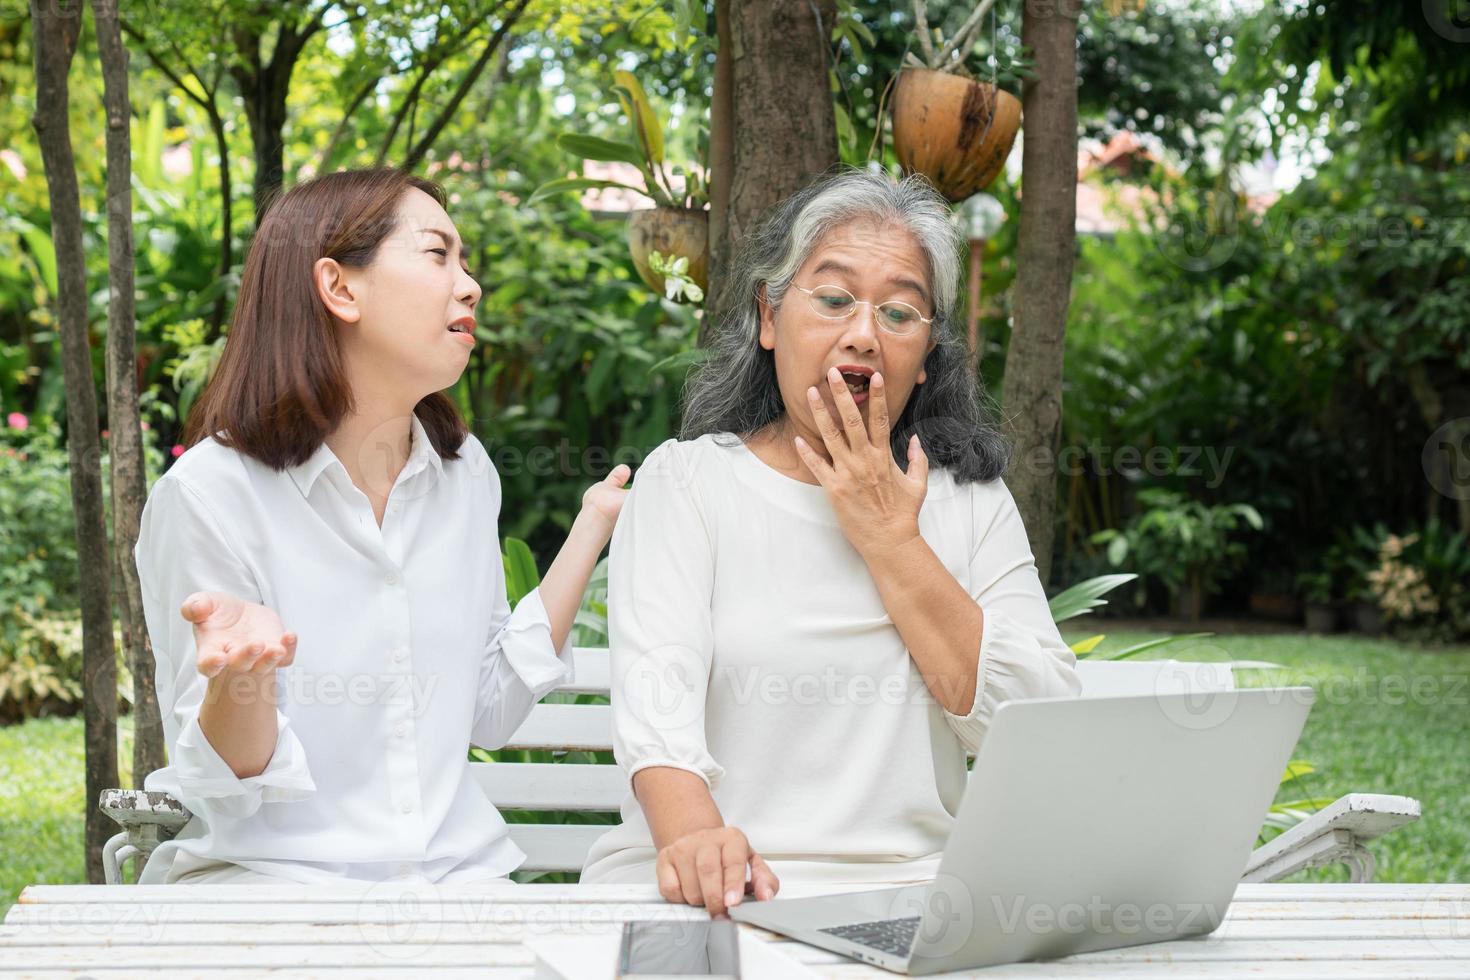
point(408, 652)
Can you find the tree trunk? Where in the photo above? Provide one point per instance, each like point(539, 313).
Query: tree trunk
point(1046, 245)
point(129, 481)
point(1443, 399)
point(57, 25)
point(772, 128)
point(266, 114)
point(264, 87)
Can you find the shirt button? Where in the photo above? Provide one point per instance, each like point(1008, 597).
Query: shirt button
point(401, 730)
point(400, 653)
point(391, 578)
point(407, 808)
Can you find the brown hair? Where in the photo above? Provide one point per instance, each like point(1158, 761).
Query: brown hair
point(281, 387)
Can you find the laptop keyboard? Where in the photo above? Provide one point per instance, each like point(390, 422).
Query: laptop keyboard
point(893, 936)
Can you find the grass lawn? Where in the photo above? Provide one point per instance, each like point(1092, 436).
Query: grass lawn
point(1388, 718)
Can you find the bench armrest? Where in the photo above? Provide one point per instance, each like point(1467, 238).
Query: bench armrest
point(147, 818)
point(1336, 833)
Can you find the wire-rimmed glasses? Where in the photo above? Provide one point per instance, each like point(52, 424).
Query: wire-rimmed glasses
point(832, 302)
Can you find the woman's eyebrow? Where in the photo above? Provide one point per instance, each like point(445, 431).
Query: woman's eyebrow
point(833, 265)
point(907, 283)
point(448, 238)
point(448, 241)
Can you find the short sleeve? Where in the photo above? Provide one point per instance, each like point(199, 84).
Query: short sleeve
point(660, 582)
point(183, 549)
point(1022, 655)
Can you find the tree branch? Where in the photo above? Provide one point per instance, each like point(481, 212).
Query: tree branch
point(421, 148)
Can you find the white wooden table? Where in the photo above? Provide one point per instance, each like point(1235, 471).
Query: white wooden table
point(1271, 931)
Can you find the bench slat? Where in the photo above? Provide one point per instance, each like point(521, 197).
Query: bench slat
point(592, 672)
point(551, 786)
point(566, 726)
point(555, 847)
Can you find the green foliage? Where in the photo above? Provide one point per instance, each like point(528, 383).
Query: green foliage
point(1181, 542)
point(40, 638)
point(1275, 356)
point(1085, 596)
point(40, 625)
point(521, 575)
point(1399, 68)
point(645, 151)
point(1420, 580)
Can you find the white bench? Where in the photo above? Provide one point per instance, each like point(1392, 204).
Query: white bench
point(1335, 834)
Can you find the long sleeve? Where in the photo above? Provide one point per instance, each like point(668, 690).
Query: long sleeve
point(1022, 655)
point(660, 585)
point(182, 549)
point(520, 668)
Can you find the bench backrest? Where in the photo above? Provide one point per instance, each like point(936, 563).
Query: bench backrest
point(534, 787)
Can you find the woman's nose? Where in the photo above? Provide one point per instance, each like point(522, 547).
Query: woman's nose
point(861, 332)
point(469, 291)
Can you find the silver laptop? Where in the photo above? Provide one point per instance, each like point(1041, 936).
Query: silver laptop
point(1088, 823)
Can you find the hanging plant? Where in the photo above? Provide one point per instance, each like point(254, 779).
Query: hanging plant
point(677, 227)
point(954, 129)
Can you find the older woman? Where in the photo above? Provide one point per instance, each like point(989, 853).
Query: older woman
point(820, 594)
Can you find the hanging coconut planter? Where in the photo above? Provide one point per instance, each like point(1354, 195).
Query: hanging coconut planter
point(674, 233)
point(955, 130)
point(666, 242)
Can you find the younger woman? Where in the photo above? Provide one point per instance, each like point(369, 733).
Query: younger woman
point(330, 485)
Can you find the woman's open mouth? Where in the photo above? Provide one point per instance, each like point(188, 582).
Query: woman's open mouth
point(857, 384)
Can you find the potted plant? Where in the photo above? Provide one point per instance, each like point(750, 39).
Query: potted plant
point(1274, 598)
point(1360, 551)
point(1188, 545)
point(1316, 591)
point(670, 239)
point(947, 125)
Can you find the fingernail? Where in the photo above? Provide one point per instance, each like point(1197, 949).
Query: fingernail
point(732, 898)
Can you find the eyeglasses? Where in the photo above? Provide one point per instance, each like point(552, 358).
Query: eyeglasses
point(835, 303)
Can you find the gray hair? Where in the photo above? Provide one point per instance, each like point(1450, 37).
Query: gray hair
point(735, 389)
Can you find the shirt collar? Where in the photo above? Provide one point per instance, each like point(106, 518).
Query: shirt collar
point(421, 453)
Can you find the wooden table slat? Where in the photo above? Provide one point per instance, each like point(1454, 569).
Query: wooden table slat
point(1278, 932)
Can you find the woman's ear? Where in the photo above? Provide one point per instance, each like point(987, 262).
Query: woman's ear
point(923, 374)
point(768, 319)
point(335, 291)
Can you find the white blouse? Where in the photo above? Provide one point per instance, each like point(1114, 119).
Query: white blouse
point(750, 646)
point(408, 652)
